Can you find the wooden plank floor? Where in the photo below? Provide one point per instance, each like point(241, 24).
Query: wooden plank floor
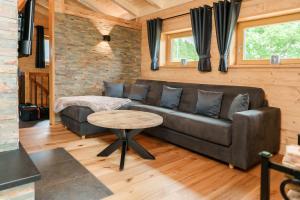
point(175, 174)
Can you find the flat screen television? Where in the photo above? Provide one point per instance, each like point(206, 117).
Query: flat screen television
point(26, 27)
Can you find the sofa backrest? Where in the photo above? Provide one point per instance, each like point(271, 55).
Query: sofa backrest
point(189, 95)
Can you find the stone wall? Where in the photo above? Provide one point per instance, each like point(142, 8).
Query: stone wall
point(84, 61)
point(9, 128)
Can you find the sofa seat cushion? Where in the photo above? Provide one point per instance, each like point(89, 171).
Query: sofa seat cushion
point(217, 131)
point(153, 109)
point(78, 113)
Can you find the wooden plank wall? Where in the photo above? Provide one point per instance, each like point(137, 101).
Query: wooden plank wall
point(281, 84)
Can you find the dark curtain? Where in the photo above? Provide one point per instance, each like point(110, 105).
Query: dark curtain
point(226, 16)
point(201, 19)
point(21, 81)
point(154, 28)
point(40, 47)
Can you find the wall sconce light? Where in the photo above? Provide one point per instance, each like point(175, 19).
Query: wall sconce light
point(106, 38)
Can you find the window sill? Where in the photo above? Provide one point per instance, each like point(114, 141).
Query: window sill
point(192, 64)
point(179, 66)
point(260, 66)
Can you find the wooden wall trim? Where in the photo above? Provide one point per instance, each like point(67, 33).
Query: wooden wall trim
point(52, 61)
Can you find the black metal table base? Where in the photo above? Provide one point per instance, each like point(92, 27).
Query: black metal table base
point(125, 140)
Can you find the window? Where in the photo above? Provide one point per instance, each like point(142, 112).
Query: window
point(181, 48)
point(258, 40)
point(47, 50)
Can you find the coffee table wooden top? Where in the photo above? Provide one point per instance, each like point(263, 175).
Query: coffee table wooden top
point(125, 119)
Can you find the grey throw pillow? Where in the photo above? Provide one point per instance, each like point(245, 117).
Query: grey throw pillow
point(240, 103)
point(127, 88)
point(113, 89)
point(170, 97)
point(209, 103)
point(138, 92)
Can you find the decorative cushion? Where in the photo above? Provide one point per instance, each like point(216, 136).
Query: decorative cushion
point(240, 103)
point(138, 92)
point(113, 89)
point(127, 88)
point(209, 103)
point(170, 97)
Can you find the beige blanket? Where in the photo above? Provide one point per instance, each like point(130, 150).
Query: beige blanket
point(96, 103)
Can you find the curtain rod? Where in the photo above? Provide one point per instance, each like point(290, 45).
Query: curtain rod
point(179, 15)
point(189, 12)
point(176, 16)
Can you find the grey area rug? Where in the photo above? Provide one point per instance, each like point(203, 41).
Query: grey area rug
point(64, 178)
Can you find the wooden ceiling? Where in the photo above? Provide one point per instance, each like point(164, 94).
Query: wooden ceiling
point(125, 9)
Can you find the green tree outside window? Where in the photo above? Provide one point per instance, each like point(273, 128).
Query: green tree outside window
point(277, 39)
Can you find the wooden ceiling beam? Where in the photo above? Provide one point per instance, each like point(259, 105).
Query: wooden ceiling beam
point(89, 5)
point(127, 6)
point(156, 3)
point(76, 11)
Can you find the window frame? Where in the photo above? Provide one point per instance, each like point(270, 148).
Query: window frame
point(169, 38)
point(46, 37)
point(261, 22)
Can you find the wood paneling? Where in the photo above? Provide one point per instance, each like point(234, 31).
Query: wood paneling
point(281, 84)
point(175, 173)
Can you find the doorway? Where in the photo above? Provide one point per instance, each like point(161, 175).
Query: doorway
point(34, 80)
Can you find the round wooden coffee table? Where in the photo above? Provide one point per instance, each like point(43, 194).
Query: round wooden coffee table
point(125, 124)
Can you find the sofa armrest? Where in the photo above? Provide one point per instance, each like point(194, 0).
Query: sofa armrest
point(254, 131)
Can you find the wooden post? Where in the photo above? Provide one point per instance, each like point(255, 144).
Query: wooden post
point(54, 6)
point(27, 87)
point(35, 91)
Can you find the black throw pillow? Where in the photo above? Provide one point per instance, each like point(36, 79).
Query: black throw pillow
point(209, 103)
point(240, 103)
point(170, 97)
point(113, 89)
point(138, 92)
